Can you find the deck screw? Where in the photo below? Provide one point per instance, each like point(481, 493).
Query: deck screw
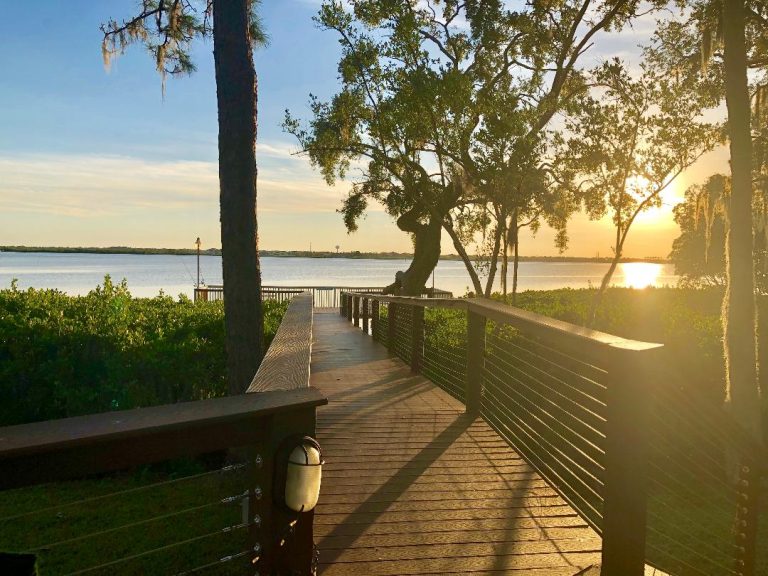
point(257, 548)
point(257, 492)
point(257, 520)
point(258, 461)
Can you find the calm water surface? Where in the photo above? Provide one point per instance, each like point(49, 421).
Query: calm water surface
point(148, 274)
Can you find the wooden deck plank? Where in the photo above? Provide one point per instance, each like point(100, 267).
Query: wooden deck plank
point(412, 485)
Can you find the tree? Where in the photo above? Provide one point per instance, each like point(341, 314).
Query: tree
point(729, 36)
point(631, 144)
point(167, 28)
point(699, 252)
point(438, 101)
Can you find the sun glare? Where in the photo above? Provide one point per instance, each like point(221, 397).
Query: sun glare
point(640, 274)
point(656, 215)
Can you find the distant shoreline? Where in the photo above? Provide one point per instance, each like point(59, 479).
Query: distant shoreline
point(356, 255)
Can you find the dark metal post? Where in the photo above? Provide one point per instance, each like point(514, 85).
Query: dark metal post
point(628, 394)
point(391, 325)
point(197, 243)
point(356, 311)
point(365, 315)
point(747, 518)
point(374, 317)
point(417, 339)
point(475, 361)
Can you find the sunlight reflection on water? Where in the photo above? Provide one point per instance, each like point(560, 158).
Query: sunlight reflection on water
point(640, 274)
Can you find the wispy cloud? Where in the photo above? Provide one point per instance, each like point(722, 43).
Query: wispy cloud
point(92, 186)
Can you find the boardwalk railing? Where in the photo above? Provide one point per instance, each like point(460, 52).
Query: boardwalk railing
point(243, 527)
point(322, 296)
point(665, 478)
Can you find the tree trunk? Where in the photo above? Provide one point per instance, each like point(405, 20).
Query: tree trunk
point(426, 254)
point(742, 393)
point(514, 228)
point(478, 288)
point(494, 259)
point(236, 99)
point(505, 260)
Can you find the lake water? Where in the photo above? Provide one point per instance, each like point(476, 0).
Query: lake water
point(148, 274)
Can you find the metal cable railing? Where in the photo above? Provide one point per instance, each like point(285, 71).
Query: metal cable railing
point(607, 422)
point(403, 333)
point(158, 527)
point(445, 350)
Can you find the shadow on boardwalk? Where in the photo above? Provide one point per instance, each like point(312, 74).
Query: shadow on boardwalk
point(413, 486)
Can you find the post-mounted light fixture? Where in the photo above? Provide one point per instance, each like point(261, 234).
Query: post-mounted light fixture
point(298, 471)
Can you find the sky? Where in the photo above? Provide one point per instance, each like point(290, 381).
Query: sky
point(90, 157)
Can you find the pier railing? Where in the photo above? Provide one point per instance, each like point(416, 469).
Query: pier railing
point(224, 517)
point(666, 478)
point(322, 296)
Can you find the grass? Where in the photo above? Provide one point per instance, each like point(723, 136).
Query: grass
point(116, 511)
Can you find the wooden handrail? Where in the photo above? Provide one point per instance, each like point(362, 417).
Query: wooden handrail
point(286, 363)
point(74, 447)
point(280, 405)
point(531, 322)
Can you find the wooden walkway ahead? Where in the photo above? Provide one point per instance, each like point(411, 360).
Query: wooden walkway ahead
point(413, 486)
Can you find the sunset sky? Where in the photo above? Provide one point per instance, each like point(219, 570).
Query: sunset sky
point(90, 158)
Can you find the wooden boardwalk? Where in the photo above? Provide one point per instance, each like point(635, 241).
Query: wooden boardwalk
point(413, 486)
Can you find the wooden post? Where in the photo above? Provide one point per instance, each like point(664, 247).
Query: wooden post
point(417, 339)
point(349, 307)
point(343, 303)
point(626, 458)
point(285, 549)
point(475, 361)
point(356, 311)
point(365, 315)
point(747, 518)
point(391, 325)
point(374, 317)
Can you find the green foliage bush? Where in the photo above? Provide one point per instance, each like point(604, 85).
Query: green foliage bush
point(66, 355)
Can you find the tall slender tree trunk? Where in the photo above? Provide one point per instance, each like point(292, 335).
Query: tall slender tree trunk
point(514, 228)
point(460, 250)
point(742, 392)
point(493, 266)
point(505, 261)
point(236, 99)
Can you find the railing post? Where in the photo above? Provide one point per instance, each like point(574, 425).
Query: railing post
point(417, 339)
point(343, 300)
point(284, 539)
point(747, 518)
point(374, 317)
point(356, 311)
point(365, 315)
point(349, 307)
point(626, 459)
point(475, 361)
point(391, 325)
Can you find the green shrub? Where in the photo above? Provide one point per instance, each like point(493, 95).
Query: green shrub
point(66, 355)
